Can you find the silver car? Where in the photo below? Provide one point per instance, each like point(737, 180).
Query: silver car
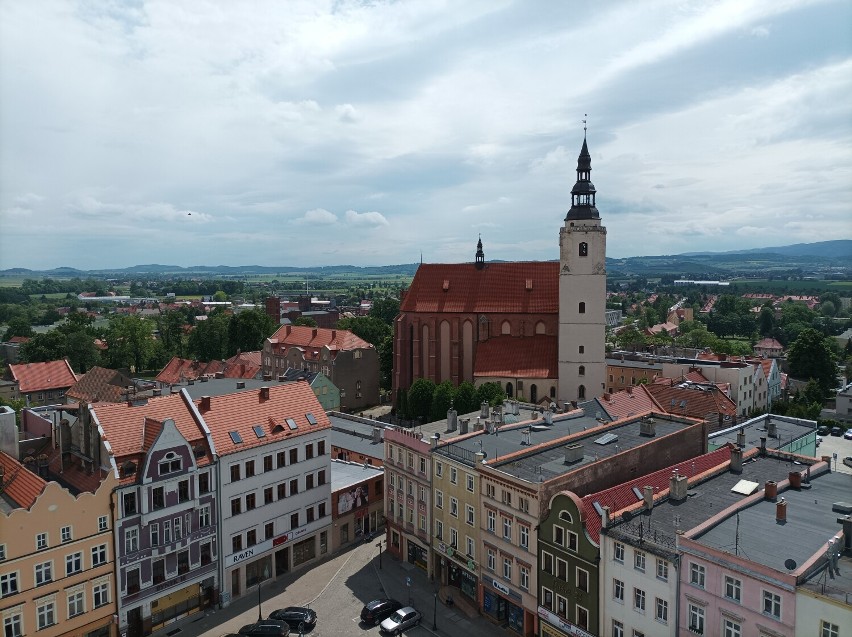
point(401, 620)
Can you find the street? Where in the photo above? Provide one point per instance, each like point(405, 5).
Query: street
point(337, 590)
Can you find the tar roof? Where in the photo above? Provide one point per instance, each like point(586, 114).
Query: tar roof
point(786, 431)
point(356, 436)
point(346, 474)
point(755, 534)
point(223, 386)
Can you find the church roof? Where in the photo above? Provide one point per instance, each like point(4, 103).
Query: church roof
point(516, 356)
point(519, 287)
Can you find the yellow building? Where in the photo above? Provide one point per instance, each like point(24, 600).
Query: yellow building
point(56, 556)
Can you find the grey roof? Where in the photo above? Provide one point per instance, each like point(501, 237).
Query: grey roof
point(836, 584)
point(346, 474)
point(548, 461)
point(658, 365)
point(356, 434)
point(222, 386)
point(810, 523)
point(787, 430)
point(704, 501)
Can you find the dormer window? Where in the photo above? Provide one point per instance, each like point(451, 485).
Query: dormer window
point(171, 463)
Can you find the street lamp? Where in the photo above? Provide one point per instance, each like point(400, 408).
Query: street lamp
point(435, 612)
point(379, 546)
point(259, 582)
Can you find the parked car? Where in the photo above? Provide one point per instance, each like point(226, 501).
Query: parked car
point(297, 617)
point(836, 431)
point(823, 430)
point(402, 619)
point(266, 628)
point(378, 610)
point(818, 440)
point(848, 434)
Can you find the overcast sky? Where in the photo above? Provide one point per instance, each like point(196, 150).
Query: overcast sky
point(322, 133)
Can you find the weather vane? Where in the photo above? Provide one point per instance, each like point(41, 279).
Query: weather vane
point(585, 115)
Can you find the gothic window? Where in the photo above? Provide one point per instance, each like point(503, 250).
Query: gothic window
point(540, 328)
point(533, 394)
point(509, 391)
point(584, 249)
point(505, 328)
point(581, 392)
point(582, 370)
point(582, 307)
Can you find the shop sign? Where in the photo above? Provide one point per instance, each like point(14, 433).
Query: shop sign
point(249, 553)
point(500, 586)
point(562, 624)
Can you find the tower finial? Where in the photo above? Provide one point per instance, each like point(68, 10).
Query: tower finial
point(585, 115)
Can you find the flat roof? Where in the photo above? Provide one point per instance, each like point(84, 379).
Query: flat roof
point(755, 534)
point(786, 431)
point(222, 386)
point(617, 362)
point(346, 474)
point(836, 585)
point(704, 500)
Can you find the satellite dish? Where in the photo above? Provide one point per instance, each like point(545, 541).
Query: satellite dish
point(790, 564)
point(627, 516)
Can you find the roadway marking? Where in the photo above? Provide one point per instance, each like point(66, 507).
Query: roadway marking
point(334, 577)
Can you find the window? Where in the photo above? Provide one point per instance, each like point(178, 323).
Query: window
point(159, 571)
point(547, 598)
point(235, 472)
point(294, 486)
point(183, 562)
point(249, 468)
point(582, 617)
point(662, 569)
point(772, 604)
point(507, 529)
point(696, 575)
point(639, 600)
point(422, 465)
point(638, 633)
point(439, 500)
point(100, 595)
point(309, 481)
point(103, 525)
point(506, 497)
point(492, 560)
point(471, 551)
point(524, 536)
point(268, 496)
point(421, 492)
point(546, 562)
point(492, 521)
point(237, 543)
point(170, 464)
point(204, 483)
point(733, 588)
point(73, 563)
point(617, 628)
point(582, 350)
point(454, 507)
point(236, 506)
point(183, 491)
point(730, 628)
point(618, 590)
point(507, 568)
point(321, 481)
point(76, 604)
point(422, 522)
point(155, 533)
point(321, 443)
point(410, 460)
point(454, 475)
point(639, 561)
point(572, 541)
point(490, 490)
point(469, 512)
point(439, 529)
point(267, 463)
point(8, 584)
point(282, 491)
point(561, 569)
point(43, 573)
point(167, 532)
point(131, 540)
point(294, 520)
point(99, 555)
point(525, 577)
point(582, 579)
point(454, 538)
point(66, 534)
point(41, 541)
point(696, 619)
point(662, 612)
point(618, 554)
point(309, 451)
point(561, 606)
point(46, 615)
point(439, 469)
point(827, 629)
point(470, 483)
point(251, 537)
point(582, 308)
point(158, 498)
point(581, 371)
point(268, 530)
point(178, 529)
point(12, 626)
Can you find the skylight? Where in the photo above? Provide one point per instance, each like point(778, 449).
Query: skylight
point(291, 423)
point(258, 431)
point(235, 437)
point(606, 439)
point(311, 419)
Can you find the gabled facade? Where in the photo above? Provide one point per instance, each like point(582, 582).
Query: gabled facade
point(56, 557)
point(42, 383)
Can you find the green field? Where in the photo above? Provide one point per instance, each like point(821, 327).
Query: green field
point(800, 288)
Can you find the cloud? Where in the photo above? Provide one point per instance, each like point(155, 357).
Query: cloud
point(318, 216)
point(373, 219)
point(347, 113)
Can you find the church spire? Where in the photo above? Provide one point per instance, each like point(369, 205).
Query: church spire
point(480, 254)
point(583, 193)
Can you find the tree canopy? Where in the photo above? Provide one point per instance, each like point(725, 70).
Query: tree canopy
point(812, 355)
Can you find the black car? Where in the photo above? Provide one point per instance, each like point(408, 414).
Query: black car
point(266, 628)
point(379, 609)
point(297, 617)
point(836, 431)
point(823, 430)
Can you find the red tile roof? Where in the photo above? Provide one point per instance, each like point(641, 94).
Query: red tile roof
point(629, 402)
point(698, 403)
point(19, 339)
point(527, 357)
point(242, 410)
point(19, 484)
point(180, 369)
point(316, 338)
point(247, 358)
point(622, 496)
point(43, 376)
point(530, 287)
point(100, 384)
point(768, 343)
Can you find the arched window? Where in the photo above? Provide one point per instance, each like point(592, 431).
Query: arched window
point(584, 249)
point(509, 390)
point(581, 392)
point(533, 394)
point(553, 392)
point(582, 307)
point(566, 517)
point(582, 370)
point(505, 328)
point(540, 328)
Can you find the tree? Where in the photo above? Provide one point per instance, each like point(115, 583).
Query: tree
point(18, 326)
point(812, 355)
point(385, 309)
point(492, 393)
point(209, 339)
point(766, 321)
point(465, 398)
point(50, 346)
point(305, 321)
point(420, 398)
point(81, 351)
point(170, 324)
point(129, 342)
point(220, 296)
point(369, 328)
point(247, 331)
point(630, 338)
point(827, 308)
point(385, 350)
point(442, 398)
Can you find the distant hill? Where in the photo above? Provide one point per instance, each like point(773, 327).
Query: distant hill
point(839, 249)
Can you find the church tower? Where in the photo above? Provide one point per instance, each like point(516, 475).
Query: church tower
point(582, 292)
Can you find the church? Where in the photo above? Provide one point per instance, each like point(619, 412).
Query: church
point(534, 327)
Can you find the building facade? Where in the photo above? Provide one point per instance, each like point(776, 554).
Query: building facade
point(357, 502)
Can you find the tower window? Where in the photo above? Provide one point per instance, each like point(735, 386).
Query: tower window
point(582, 349)
point(581, 392)
point(582, 370)
point(584, 249)
point(582, 307)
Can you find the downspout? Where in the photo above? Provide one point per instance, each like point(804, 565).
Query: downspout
point(676, 563)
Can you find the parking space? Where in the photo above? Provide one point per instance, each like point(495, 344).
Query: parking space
point(838, 445)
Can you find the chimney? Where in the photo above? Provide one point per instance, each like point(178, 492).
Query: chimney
point(781, 511)
point(795, 478)
point(573, 453)
point(434, 440)
point(264, 393)
point(452, 419)
point(205, 403)
point(606, 397)
point(241, 384)
point(483, 409)
point(220, 374)
point(770, 491)
point(736, 460)
point(377, 435)
point(479, 457)
point(846, 521)
point(191, 381)
point(763, 445)
point(314, 333)
point(771, 429)
point(204, 379)
point(267, 377)
point(678, 487)
point(548, 417)
point(648, 494)
point(740, 437)
point(630, 389)
point(281, 378)
point(157, 392)
point(573, 404)
point(648, 427)
point(604, 517)
point(463, 425)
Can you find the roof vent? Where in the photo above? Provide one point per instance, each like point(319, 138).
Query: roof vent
point(573, 453)
point(529, 284)
point(446, 285)
point(241, 384)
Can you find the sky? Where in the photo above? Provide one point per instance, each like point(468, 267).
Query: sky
point(308, 133)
